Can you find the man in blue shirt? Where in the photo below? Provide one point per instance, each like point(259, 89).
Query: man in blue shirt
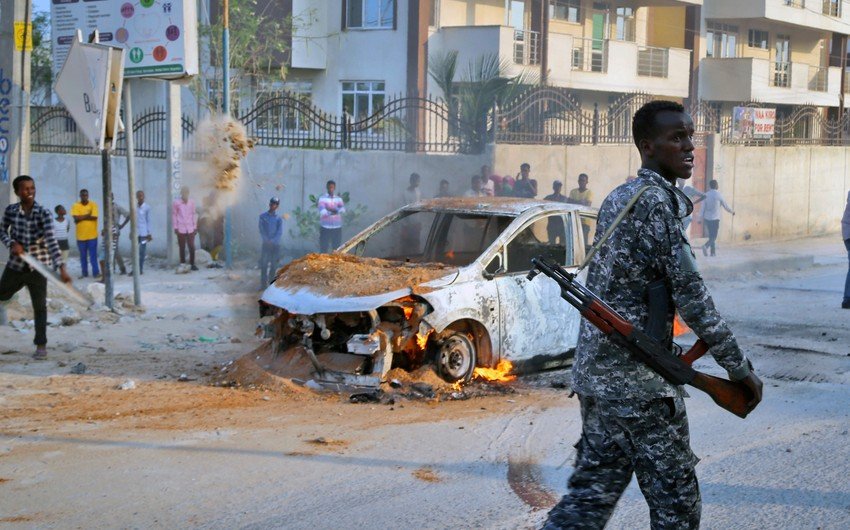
point(271, 228)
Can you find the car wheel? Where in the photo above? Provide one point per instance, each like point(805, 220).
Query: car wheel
point(456, 358)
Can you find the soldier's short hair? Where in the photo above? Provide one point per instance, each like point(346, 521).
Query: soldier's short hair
point(643, 122)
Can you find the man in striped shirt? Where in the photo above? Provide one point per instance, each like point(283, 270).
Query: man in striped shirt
point(28, 227)
point(331, 207)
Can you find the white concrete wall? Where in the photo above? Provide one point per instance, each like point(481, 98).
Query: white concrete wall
point(777, 192)
point(777, 10)
point(782, 192)
point(374, 179)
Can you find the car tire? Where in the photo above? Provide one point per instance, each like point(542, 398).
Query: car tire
point(456, 357)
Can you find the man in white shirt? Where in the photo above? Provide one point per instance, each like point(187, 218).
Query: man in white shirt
point(711, 215)
point(475, 190)
point(143, 227)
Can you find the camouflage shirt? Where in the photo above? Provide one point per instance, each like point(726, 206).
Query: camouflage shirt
point(650, 244)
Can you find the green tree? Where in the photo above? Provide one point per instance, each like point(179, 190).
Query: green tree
point(41, 64)
point(481, 87)
point(259, 51)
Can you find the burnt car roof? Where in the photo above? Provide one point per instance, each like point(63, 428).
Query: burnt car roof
point(511, 206)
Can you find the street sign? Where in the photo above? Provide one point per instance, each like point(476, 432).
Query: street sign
point(159, 36)
point(90, 87)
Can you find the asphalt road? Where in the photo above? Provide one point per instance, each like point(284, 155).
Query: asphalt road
point(494, 462)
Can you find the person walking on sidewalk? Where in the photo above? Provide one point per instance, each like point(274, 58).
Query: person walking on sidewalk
point(85, 217)
point(845, 233)
point(28, 227)
point(711, 216)
point(185, 221)
point(271, 228)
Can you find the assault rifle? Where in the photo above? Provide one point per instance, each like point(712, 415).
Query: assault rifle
point(733, 396)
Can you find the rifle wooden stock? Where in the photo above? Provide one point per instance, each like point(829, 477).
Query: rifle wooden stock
point(730, 395)
point(733, 396)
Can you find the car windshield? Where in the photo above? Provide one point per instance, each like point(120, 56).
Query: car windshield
point(433, 237)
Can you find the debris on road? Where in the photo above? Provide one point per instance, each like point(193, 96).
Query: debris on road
point(129, 384)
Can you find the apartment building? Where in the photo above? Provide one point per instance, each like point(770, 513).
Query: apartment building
point(353, 54)
point(780, 53)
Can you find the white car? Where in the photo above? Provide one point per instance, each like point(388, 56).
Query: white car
point(442, 281)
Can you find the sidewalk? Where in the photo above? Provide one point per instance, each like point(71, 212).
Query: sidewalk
point(769, 256)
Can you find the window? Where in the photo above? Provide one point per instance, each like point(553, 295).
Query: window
point(832, 8)
point(361, 99)
point(370, 14)
point(566, 10)
point(721, 40)
point(546, 237)
point(626, 24)
point(279, 118)
point(757, 39)
point(588, 230)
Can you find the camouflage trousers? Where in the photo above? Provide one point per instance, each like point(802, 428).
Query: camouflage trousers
point(649, 438)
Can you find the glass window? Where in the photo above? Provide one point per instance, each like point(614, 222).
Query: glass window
point(448, 238)
point(361, 99)
point(370, 14)
point(721, 40)
point(757, 39)
point(588, 230)
point(626, 24)
point(566, 10)
point(546, 237)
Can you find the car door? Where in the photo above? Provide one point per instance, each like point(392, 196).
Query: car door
point(534, 319)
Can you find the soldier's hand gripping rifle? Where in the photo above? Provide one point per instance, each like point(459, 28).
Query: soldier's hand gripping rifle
point(733, 396)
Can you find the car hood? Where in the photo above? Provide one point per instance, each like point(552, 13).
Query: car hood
point(331, 283)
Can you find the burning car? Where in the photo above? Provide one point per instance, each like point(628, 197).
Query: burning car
point(442, 281)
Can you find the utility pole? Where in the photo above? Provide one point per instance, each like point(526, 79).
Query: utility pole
point(15, 47)
point(225, 68)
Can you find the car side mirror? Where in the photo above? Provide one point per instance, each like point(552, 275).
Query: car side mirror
point(494, 267)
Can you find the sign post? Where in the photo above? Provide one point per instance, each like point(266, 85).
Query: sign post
point(160, 38)
point(89, 85)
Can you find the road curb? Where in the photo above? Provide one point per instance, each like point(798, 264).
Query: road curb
point(765, 264)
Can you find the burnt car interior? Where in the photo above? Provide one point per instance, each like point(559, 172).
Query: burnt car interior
point(449, 238)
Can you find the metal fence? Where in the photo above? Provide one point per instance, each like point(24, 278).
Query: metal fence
point(53, 130)
point(541, 115)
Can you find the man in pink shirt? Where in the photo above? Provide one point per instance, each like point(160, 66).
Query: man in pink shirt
point(185, 222)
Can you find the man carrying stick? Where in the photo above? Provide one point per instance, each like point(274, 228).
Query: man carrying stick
point(28, 228)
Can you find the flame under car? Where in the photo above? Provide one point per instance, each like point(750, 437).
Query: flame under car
point(441, 282)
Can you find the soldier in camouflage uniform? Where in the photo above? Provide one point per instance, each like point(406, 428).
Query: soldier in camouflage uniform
point(633, 420)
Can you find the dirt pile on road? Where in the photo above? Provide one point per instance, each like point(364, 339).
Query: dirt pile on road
point(260, 369)
point(346, 275)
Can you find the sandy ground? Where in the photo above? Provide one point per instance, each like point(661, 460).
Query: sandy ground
point(77, 452)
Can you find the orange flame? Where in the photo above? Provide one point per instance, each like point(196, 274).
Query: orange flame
point(450, 254)
point(422, 340)
point(457, 386)
point(500, 373)
point(407, 312)
point(679, 326)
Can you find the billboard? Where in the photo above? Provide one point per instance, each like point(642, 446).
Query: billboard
point(753, 123)
point(160, 37)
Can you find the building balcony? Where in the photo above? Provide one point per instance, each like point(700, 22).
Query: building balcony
point(748, 79)
point(617, 66)
point(583, 64)
point(827, 15)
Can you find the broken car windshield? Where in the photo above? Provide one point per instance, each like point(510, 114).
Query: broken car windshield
point(433, 237)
